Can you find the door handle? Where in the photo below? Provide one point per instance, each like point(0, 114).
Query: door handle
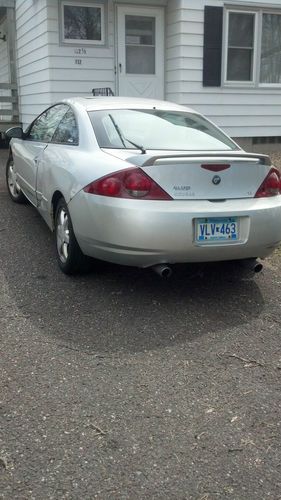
point(120, 68)
point(36, 160)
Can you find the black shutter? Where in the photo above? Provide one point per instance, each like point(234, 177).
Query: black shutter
point(212, 46)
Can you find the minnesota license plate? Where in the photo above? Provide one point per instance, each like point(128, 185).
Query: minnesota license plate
point(216, 229)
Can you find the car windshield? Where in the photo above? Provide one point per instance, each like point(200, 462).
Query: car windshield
point(157, 129)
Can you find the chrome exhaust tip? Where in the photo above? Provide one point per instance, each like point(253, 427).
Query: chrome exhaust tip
point(258, 267)
point(252, 265)
point(163, 270)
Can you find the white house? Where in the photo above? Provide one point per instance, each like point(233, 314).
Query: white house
point(221, 57)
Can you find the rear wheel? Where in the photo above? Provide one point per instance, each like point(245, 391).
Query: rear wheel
point(13, 188)
point(70, 258)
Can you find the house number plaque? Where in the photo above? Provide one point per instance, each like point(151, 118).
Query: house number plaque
point(79, 51)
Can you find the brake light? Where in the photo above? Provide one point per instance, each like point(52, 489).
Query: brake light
point(129, 183)
point(215, 167)
point(271, 186)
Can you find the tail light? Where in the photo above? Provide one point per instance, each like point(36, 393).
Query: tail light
point(271, 185)
point(129, 183)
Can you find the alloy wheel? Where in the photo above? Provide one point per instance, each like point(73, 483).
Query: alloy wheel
point(12, 181)
point(62, 234)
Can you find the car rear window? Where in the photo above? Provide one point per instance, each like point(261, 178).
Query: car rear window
point(157, 129)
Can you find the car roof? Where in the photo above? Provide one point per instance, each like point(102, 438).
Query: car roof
point(90, 103)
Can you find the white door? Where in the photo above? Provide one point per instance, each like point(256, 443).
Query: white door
point(140, 53)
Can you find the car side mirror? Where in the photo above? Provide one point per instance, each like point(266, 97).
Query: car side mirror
point(14, 132)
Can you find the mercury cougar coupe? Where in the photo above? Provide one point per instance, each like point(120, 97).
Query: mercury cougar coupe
point(143, 183)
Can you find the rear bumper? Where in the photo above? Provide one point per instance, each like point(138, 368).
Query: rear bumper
point(143, 233)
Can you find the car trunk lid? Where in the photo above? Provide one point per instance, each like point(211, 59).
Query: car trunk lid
point(206, 176)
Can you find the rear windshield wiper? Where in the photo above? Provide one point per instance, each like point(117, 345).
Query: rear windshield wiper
point(136, 146)
point(123, 139)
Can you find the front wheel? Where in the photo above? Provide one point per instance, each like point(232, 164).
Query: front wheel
point(14, 189)
point(70, 258)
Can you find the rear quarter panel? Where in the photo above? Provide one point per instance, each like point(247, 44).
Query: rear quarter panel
point(68, 169)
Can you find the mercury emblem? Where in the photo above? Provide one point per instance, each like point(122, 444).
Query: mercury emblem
point(216, 180)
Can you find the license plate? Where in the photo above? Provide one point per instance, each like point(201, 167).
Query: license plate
point(216, 229)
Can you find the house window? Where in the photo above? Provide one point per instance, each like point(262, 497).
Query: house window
point(240, 50)
point(270, 64)
point(252, 48)
point(83, 23)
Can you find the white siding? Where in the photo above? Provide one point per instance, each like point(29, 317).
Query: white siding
point(4, 63)
point(4, 70)
point(97, 68)
point(32, 57)
point(48, 70)
point(241, 112)
point(174, 55)
point(97, 65)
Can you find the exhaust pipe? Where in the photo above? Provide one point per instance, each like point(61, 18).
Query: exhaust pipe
point(163, 270)
point(252, 265)
point(258, 267)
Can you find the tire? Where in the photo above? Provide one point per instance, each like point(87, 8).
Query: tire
point(13, 188)
point(70, 258)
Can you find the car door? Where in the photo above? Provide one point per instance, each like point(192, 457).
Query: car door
point(29, 152)
point(53, 171)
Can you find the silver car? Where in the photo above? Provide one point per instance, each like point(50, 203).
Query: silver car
point(143, 183)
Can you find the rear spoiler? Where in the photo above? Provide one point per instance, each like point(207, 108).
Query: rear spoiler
point(147, 160)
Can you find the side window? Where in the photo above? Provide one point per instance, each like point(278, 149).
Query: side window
point(44, 126)
point(67, 130)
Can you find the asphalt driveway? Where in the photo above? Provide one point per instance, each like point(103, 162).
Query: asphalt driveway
point(118, 384)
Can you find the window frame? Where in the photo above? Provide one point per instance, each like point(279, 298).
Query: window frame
point(266, 84)
point(255, 69)
point(258, 11)
point(81, 41)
